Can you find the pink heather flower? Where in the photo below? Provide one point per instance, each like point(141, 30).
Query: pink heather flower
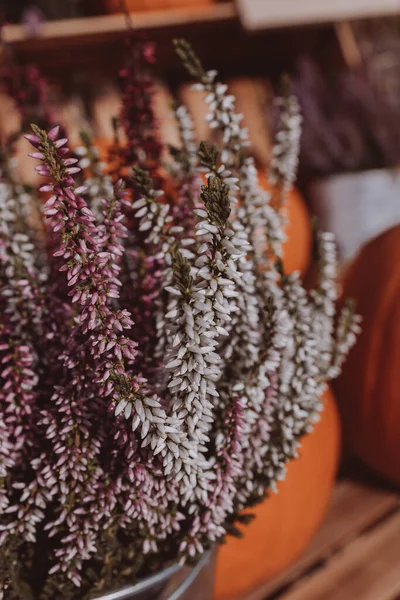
point(89, 253)
point(137, 118)
point(142, 149)
point(29, 90)
point(93, 285)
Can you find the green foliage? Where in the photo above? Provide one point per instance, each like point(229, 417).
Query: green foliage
point(189, 59)
point(143, 181)
point(208, 156)
point(181, 269)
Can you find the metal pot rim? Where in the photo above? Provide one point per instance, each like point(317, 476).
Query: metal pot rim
point(155, 579)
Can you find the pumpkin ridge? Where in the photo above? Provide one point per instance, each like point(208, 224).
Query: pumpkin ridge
point(367, 389)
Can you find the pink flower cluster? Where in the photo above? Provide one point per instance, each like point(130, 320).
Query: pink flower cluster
point(30, 92)
point(137, 117)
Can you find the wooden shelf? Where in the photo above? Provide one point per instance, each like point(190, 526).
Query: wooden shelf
point(254, 14)
point(64, 36)
point(89, 29)
point(96, 43)
point(74, 47)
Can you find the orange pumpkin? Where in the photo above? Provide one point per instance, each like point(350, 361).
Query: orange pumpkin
point(108, 154)
point(368, 389)
point(115, 6)
point(285, 522)
point(103, 146)
point(297, 247)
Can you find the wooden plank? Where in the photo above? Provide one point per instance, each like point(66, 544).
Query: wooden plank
point(355, 506)
point(266, 14)
point(57, 32)
point(96, 45)
point(367, 569)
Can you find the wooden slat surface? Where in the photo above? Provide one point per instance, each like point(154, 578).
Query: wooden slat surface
point(355, 508)
point(96, 44)
point(113, 25)
point(367, 569)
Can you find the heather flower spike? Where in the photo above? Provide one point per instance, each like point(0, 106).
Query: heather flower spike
point(150, 343)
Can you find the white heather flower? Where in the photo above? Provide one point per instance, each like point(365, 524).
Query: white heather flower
point(285, 153)
point(198, 318)
point(187, 135)
point(297, 340)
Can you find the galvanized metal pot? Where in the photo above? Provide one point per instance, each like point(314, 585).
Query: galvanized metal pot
point(174, 583)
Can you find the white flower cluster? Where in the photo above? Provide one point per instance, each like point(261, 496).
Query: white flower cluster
point(242, 346)
point(187, 136)
point(253, 214)
point(199, 311)
point(348, 328)
point(285, 153)
point(266, 223)
point(278, 345)
point(221, 115)
point(184, 169)
point(153, 216)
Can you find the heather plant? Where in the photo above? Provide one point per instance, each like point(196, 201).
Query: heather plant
point(126, 448)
